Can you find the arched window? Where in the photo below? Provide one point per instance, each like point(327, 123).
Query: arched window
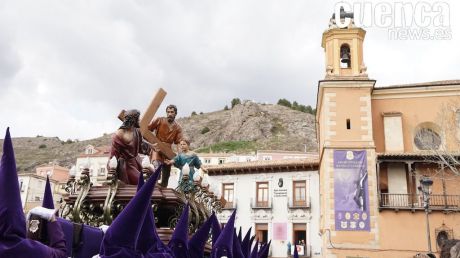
point(427, 136)
point(345, 56)
point(441, 238)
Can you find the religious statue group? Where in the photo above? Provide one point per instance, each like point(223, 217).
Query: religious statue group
point(128, 142)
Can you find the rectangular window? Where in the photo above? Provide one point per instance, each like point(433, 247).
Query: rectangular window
point(262, 194)
point(299, 232)
point(228, 191)
point(221, 161)
point(101, 172)
point(262, 232)
point(299, 193)
point(207, 161)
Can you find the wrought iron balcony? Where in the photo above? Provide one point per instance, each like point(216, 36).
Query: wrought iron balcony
point(298, 204)
point(230, 205)
point(415, 202)
point(258, 204)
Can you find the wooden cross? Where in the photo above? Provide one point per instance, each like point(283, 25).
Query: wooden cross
point(146, 117)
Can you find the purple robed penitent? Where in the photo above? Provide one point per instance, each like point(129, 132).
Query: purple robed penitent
point(246, 245)
point(149, 243)
point(263, 253)
point(237, 252)
point(197, 242)
point(179, 239)
point(224, 243)
point(122, 236)
point(90, 237)
point(13, 242)
point(255, 250)
point(296, 254)
point(48, 196)
point(215, 228)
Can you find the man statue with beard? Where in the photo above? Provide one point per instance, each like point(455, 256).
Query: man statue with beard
point(168, 131)
point(126, 145)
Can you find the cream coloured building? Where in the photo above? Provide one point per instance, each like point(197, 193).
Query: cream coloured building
point(375, 145)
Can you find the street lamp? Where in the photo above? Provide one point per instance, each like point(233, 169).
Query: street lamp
point(425, 185)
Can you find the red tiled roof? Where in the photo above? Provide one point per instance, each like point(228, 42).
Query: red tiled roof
point(101, 151)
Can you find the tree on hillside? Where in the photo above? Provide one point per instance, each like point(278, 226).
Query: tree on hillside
point(296, 106)
point(226, 107)
point(235, 102)
point(284, 102)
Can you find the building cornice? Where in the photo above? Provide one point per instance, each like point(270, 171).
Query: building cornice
point(266, 166)
point(341, 33)
point(416, 91)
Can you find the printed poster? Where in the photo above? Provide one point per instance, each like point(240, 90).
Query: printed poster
point(279, 231)
point(351, 193)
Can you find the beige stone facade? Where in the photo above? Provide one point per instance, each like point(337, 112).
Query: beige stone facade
point(407, 131)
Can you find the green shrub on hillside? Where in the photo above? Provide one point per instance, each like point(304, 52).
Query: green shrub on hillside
point(297, 106)
point(205, 130)
point(231, 146)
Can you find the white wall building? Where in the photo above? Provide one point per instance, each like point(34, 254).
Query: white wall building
point(278, 199)
point(280, 154)
point(32, 188)
point(97, 158)
point(222, 158)
point(214, 158)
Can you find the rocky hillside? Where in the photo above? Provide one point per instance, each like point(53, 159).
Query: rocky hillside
point(245, 128)
point(251, 126)
point(33, 151)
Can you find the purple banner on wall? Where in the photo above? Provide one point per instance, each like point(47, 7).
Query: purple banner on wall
point(351, 193)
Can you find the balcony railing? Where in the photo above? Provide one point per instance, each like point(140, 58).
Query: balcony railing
point(415, 202)
point(257, 204)
point(230, 205)
point(298, 204)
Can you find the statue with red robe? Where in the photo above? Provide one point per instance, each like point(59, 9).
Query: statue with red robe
point(126, 146)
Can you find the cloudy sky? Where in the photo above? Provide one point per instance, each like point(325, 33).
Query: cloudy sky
point(68, 67)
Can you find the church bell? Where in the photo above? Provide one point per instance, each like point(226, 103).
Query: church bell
point(345, 58)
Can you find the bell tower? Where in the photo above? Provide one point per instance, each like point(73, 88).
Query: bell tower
point(348, 184)
point(344, 48)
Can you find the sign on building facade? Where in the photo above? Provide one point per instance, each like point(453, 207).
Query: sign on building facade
point(280, 190)
point(280, 231)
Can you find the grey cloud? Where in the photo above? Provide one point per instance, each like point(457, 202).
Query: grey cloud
point(81, 62)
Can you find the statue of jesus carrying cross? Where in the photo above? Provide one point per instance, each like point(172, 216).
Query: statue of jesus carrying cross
point(159, 133)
